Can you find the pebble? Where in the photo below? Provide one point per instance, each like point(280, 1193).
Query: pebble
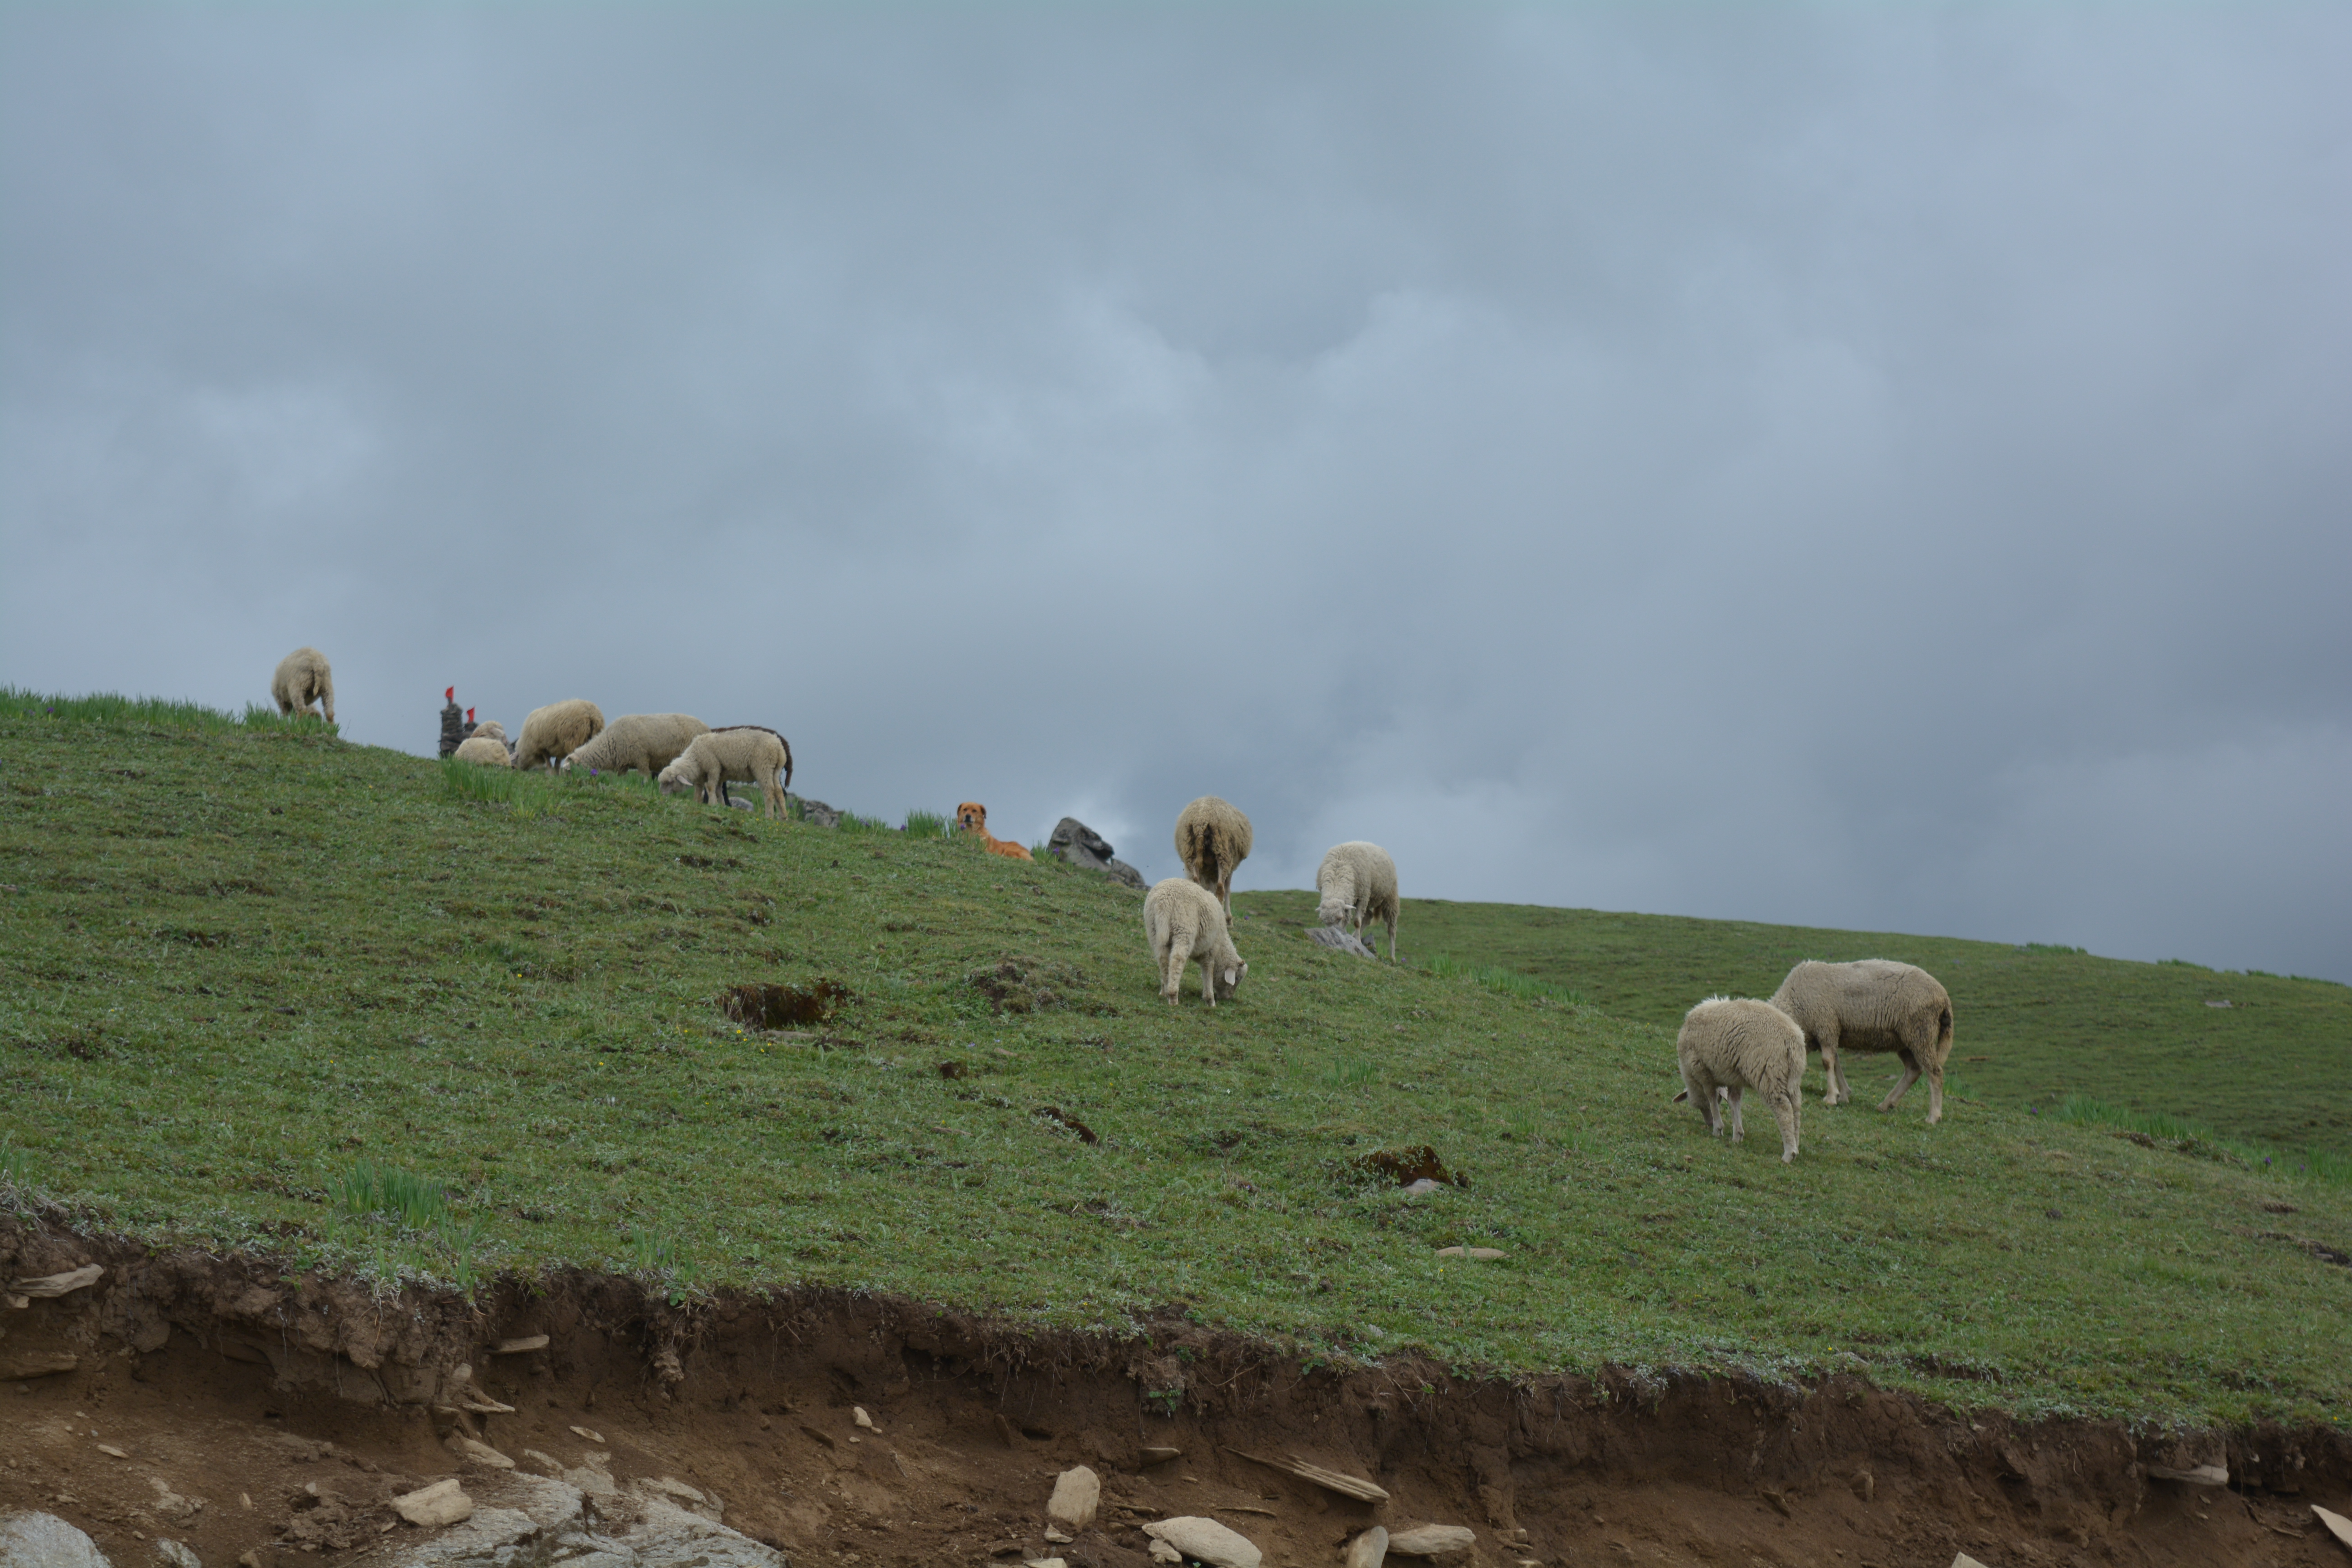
point(863, 1419)
point(1160, 1455)
point(1163, 1552)
point(592, 1436)
point(441, 1503)
point(1369, 1549)
point(1207, 1541)
point(177, 1555)
point(1078, 1494)
point(1416, 1189)
point(110, 1448)
point(1432, 1541)
point(477, 1453)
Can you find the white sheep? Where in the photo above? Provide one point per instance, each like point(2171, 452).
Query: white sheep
point(1357, 884)
point(647, 742)
point(1873, 1004)
point(557, 730)
point(758, 756)
point(1740, 1044)
point(303, 677)
point(1212, 839)
point(1184, 922)
point(487, 749)
point(489, 729)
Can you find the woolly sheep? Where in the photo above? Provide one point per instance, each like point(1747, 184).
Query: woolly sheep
point(787, 745)
point(1184, 922)
point(303, 677)
point(489, 729)
point(557, 730)
point(1740, 1044)
point(972, 818)
point(1358, 883)
point(1212, 839)
point(1876, 1004)
point(487, 750)
point(757, 756)
point(645, 742)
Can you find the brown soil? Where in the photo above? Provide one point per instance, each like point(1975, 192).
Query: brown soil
point(257, 1413)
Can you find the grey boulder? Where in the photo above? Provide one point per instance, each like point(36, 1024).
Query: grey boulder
point(1079, 845)
point(44, 1540)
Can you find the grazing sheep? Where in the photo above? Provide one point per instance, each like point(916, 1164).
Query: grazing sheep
point(303, 677)
point(1357, 884)
point(1876, 1004)
point(1184, 922)
point(487, 750)
point(645, 742)
point(490, 728)
point(1740, 1045)
point(557, 730)
point(972, 818)
point(1212, 839)
point(787, 745)
point(755, 755)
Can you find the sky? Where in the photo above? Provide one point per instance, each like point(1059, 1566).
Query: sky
point(1877, 468)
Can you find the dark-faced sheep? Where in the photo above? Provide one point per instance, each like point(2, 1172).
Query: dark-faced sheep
point(1737, 1045)
point(1357, 884)
point(303, 677)
point(639, 743)
point(556, 731)
point(1212, 839)
point(1184, 923)
point(1874, 1005)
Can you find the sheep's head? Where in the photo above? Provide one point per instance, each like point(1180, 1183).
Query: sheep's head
point(673, 780)
point(1333, 909)
point(1229, 979)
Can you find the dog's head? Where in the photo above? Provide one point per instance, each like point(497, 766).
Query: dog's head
point(971, 817)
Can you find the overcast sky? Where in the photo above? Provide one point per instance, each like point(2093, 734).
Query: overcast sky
point(1885, 468)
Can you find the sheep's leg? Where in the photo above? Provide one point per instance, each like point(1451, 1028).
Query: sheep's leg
point(1910, 1076)
point(1209, 978)
point(1784, 1110)
point(1701, 1090)
point(1834, 1088)
point(771, 793)
point(1393, 920)
point(1738, 1133)
point(1172, 967)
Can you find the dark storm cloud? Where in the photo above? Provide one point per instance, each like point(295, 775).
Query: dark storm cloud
point(1870, 470)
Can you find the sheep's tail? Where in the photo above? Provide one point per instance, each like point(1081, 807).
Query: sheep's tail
point(788, 761)
point(1944, 1030)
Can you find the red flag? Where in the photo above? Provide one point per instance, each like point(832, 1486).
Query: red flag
point(450, 695)
point(470, 713)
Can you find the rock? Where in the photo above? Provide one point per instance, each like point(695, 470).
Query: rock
point(177, 1555)
point(44, 1540)
point(110, 1449)
point(583, 1432)
point(59, 1284)
point(1158, 1456)
point(1415, 1189)
point(1962, 1560)
point(1163, 1552)
point(1369, 1549)
point(1207, 1541)
point(1432, 1541)
point(1079, 845)
point(517, 1347)
point(39, 1363)
point(815, 812)
point(170, 1504)
point(1483, 1254)
point(1057, 1536)
point(1077, 1493)
point(1339, 941)
point(1045, 1563)
point(430, 1507)
point(545, 1461)
point(2201, 1476)
point(477, 1453)
point(857, 1414)
point(2337, 1525)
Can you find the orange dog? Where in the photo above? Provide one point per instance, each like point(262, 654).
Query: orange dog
point(972, 818)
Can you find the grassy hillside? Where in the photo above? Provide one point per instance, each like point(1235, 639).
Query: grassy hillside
point(263, 987)
point(2032, 1024)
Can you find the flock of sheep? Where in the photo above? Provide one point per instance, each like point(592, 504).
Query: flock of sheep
point(1725, 1046)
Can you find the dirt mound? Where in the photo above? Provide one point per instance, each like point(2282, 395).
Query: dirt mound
point(222, 1403)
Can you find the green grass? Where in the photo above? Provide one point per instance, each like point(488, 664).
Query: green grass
point(243, 962)
point(2032, 1024)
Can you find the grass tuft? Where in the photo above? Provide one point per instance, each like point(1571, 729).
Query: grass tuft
point(926, 824)
point(112, 707)
point(2152, 1128)
point(1509, 982)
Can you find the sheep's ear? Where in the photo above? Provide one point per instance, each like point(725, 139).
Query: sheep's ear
point(1680, 1098)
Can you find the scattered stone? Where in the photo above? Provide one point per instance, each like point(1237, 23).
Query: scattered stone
point(1346, 1485)
point(2201, 1476)
point(170, 1504)
point(1339, 941)
point(1054, 1537)
point(1483, 1254)
point(177, 1555)
point(44, 1540)
point(1432, 1541)
point(1369, 1549)
point(815, 812)
point(1425, 1186)
point(40, 1364)
point(1043, 1563)
point(1206, 1540)
point(677, 1489)
point(441, 1503)
point(479, 1453)
point(1078, 1494)
point(517, 1347)
point(547, 1462)
point(2337, 1525)
point(1163, 1552)
point(1075, 842)
point(1962, 1560)
point(59, 1284)
point(111, 1450)
point(16, 1300)
point(1157, 1456)
point(592, 1436)
point(858, 1412)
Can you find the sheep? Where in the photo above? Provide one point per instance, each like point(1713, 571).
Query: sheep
point(1212, 839)
point(1358, 883)
point(557, 730)
point(1876, 1004)
point(972, 818)
point(1184, 922)
point(756, 755)
point(303, 677)
point(787, 745)
point(489, 729)
point(647, 742)
point(487, 749)
point(1733, 1044)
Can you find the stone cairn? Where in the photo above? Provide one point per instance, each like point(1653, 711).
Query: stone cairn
point(454, 728)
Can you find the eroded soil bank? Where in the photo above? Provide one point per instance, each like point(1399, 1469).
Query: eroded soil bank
point(250, 1413)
